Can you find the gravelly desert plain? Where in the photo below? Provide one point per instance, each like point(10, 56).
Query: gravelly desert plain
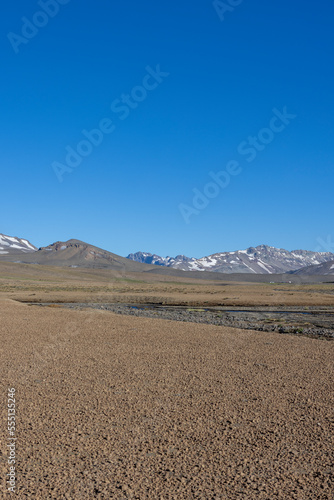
point(113, 406)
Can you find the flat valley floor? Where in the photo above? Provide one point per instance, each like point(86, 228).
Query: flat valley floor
point(111, 406)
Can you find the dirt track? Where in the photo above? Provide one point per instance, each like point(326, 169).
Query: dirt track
point(111, 406)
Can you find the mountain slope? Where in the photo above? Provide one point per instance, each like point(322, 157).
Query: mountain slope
point(179, 262)
point(325, 269)
point(12, 245)
point(262, 259)
point(75, 253)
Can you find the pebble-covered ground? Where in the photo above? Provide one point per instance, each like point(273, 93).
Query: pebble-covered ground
point(112, 406)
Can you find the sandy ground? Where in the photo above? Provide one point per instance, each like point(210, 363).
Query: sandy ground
point(118, 407)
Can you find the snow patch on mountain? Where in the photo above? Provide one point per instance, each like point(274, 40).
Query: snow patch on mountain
point(12, 244)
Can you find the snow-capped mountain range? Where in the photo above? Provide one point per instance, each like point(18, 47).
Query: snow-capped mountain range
point(262, 259)
point(12, 244)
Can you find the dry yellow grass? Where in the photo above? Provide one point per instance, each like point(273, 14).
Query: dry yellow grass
point(50, 284)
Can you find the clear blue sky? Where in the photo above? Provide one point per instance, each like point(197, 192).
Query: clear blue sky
point(225, 78)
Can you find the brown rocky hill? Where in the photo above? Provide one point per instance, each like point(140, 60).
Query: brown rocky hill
point(75, 253)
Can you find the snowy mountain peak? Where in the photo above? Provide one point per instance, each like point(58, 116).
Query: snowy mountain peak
point(12, 244)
